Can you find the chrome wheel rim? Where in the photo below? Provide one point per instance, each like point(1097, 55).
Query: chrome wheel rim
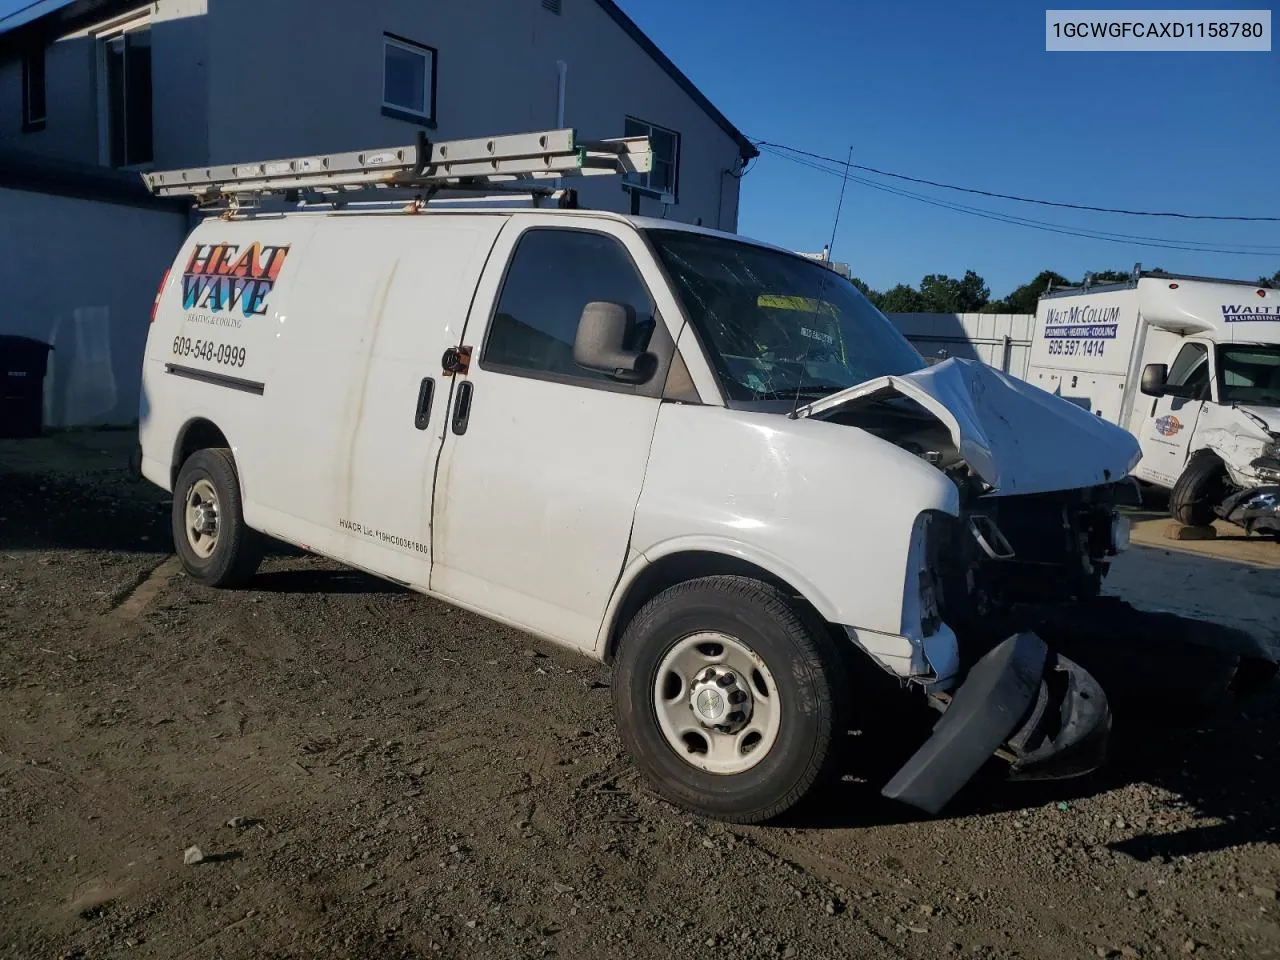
point(717, 704)
point(201, 511)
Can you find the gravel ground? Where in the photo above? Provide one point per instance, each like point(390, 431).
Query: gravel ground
point(368, 773)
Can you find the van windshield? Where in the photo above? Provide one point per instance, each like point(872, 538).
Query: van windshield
point(776, 325)
point(1250, 374)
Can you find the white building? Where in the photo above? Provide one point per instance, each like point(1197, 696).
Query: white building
point(178, 83)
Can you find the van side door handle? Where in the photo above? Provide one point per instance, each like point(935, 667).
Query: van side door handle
point(462, 407)
point(422, 418)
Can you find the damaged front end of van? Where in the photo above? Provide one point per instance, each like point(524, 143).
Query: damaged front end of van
point(1040, 482)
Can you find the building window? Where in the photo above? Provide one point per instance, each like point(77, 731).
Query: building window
point(33, 90)
point(664, 179)
point(408, 80)
point(127, 76)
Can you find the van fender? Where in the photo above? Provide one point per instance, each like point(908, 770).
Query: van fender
point(196, 421)
point(733, 550)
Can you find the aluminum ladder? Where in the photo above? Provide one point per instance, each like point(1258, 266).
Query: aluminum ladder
point(481, 164)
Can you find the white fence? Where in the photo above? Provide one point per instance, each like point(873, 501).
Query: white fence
point(1001, 340)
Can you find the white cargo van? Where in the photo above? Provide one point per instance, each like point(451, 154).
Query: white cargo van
point(1191, 367)
point(705, 460)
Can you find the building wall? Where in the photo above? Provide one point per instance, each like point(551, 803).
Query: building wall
point(237, 80)
point(71, 132)
point(82, 275)
point(1000, 340)
point(496, 73)
point(180, 88)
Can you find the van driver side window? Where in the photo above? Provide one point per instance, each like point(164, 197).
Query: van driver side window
point(1191, 369)
point(553, 274)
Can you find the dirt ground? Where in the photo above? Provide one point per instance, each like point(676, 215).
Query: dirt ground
point(368, 773)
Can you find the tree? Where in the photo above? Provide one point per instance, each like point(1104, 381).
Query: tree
point(1112, 276)
point(864, 289)
point(1027, 297)
point(943, 294)
point(902, 299)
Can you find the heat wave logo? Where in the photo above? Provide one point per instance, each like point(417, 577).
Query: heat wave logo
point(226, 277)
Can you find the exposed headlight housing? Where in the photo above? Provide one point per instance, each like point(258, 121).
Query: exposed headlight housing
point(1121, 528)
point(921, 607)
point(1268, 465)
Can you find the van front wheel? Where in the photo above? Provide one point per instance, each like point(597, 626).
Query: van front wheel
point(1200, 488)
point(209, 532)
point(729, 698)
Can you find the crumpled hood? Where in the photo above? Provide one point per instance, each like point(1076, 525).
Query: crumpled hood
point(1018, 438)
point(1268, 415)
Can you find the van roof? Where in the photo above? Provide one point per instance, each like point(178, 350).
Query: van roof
point(385, 209)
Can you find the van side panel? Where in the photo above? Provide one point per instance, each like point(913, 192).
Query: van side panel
point(312, 402)
point(370, 312)
point(386, 509)
point(211, 350)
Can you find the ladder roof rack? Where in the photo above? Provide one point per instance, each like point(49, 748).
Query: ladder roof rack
point(482, 163)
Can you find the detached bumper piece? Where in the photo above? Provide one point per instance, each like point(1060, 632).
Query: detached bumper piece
point(1256, 510)
point(1022, 701)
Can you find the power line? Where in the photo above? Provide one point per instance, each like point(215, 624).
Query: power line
point(1009, 196)
point(1035, 224)
point(1192, 246)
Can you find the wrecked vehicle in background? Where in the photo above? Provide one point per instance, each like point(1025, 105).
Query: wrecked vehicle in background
point(1191, 367)
point(707, 461)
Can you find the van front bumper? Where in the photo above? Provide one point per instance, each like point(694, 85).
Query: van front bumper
point(1257, 510)
point(1035, 708)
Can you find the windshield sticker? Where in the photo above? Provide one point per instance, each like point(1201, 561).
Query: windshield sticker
point(223, 280)
point(777, 301)
point(1234, 313)
point(826, 338)
point(1167, 426)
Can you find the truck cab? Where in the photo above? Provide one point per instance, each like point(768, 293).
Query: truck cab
point(1191, 367)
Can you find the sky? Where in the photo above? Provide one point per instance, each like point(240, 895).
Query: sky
point(964, 93)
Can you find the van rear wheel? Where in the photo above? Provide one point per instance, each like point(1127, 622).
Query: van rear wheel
point(730, 699)
point(209, 532)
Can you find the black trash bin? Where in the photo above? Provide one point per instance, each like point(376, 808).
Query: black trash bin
point(23, 365)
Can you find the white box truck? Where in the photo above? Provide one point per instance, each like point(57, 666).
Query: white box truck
point(1191, 367)
point(710, 462)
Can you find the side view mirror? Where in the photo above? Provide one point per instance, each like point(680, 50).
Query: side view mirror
point(1154, 377)
point(600, 344)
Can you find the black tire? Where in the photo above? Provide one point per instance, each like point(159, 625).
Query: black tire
point(237, 550)
point(809, 673)
point(1202, 486)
